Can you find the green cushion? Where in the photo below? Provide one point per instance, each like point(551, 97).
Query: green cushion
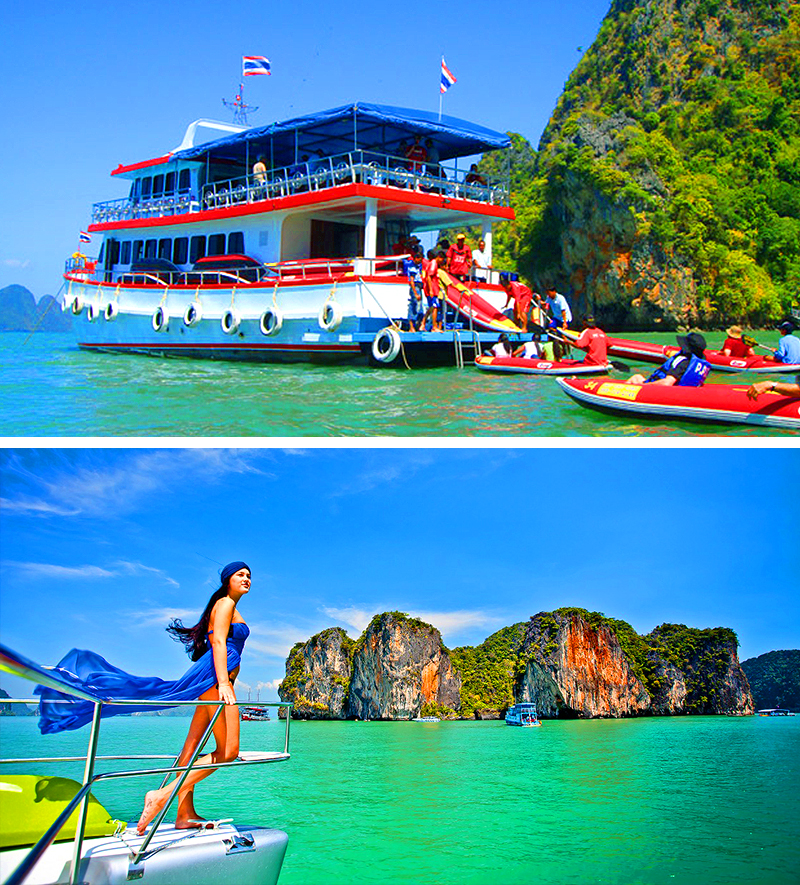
point(30, 803)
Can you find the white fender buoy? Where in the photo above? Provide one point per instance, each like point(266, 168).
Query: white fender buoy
point(160, 320)
point(271, 321)
point(91, 312)
point(386, 345)
point(76, 305)
point(230, 321)
point(111, 311)
point(193, 314)
point(330, 316)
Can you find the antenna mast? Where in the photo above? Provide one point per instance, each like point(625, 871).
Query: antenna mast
point(239, 107)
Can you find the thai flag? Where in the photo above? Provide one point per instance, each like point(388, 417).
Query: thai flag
point(447, 78)
point(84, 237)
point(254, 64)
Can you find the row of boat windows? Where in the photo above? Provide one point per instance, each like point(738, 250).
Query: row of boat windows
point(178, 250)
point(161, 185)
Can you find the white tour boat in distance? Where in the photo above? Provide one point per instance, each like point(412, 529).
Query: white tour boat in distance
point(44, 842)
point(206, 257)
point(524, 715)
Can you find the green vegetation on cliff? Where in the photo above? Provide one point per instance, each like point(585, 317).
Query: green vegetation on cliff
point(683, 121)
point(774, 679)
point(488, 671)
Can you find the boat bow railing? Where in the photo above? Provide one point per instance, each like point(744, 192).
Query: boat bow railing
point(12, 662)
point(315, 174)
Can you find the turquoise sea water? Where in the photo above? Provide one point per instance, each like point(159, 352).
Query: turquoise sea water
point(712, 800)
point(48, 387)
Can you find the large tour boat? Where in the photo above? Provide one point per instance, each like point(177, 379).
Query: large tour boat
point(300, 258)
point(523, 715)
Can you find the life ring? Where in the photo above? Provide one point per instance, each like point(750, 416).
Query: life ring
point(193, 314)
point(330, 316)
point(111, 311)
point(160, 320)
point(77, 305)
point(386, 345)
point(230, 321)
point(271, 321)
point(91, 312)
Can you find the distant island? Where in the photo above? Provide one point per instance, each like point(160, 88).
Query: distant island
point(20, 312)
point(774, 679)
point(14, 709)
point(571, 662)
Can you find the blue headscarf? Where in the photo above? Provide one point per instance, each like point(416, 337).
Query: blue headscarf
point(230, 569)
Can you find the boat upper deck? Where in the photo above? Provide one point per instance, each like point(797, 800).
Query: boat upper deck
point(407, 159)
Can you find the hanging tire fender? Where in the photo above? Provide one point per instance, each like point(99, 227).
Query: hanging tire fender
point(111, 311)
point(193, 314)
point(330, 316)
point(160, 320)
point(386, 345)
point(91, 312)
point(271, 321)
point(230, 321)
point(76, 305)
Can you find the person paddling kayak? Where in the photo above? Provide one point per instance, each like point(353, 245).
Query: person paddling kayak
point(687, 368)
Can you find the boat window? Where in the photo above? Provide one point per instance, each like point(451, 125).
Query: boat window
point(236, 243)
point(216, 244)
point(135, 188)
point(102, 250)
point(180, 250)
point(158, 185)
point(198, 249)
point(165, 249)
point(113, 253)
point(150, 248)
point(147, 184)
point(126, 252)
point(137, 250)
point(184, 180)
point(169, 183)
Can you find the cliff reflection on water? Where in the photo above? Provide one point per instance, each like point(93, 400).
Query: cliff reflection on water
point(654, 800)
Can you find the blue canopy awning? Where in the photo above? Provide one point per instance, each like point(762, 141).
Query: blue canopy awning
point(360, 126)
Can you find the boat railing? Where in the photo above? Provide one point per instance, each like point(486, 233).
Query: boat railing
point(14, 663)
point(315, 174)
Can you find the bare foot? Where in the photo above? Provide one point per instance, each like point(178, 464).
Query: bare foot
point(192, 823)
point(152, 805)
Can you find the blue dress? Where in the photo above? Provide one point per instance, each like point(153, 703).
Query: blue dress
point(87, 670)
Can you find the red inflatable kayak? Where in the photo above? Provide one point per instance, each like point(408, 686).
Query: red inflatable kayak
point(727, 403)
point(657, 353)
point(538, 367)
point(469, 303)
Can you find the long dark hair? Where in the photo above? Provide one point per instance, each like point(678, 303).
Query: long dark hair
point(196, 638)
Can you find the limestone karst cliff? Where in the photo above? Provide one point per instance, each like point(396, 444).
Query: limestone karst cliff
point(665, 190)
point(571, 662)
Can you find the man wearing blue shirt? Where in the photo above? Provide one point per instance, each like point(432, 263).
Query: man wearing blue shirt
point(789, 347)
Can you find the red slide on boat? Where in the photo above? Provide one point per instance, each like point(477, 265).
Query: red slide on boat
point(469, 303)
point(647, 352)
point(726, 403)
point(515, 364)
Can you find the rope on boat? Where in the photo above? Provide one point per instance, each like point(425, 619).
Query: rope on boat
point(392, 323)
point(275, 293)
point(41, 318)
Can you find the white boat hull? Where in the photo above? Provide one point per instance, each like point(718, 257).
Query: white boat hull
point(220, 856)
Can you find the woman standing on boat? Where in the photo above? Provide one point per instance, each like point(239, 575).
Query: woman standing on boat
point(215, 644)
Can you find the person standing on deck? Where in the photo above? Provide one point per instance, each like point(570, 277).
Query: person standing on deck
point(480, 262)
point(459, 258)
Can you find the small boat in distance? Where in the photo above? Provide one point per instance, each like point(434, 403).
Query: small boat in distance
point(775, 711)
point(255, 714)
point(426, 719)
point(523, 715)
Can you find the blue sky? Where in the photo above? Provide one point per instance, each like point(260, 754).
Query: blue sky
point(100, 547)
point(85, 87)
